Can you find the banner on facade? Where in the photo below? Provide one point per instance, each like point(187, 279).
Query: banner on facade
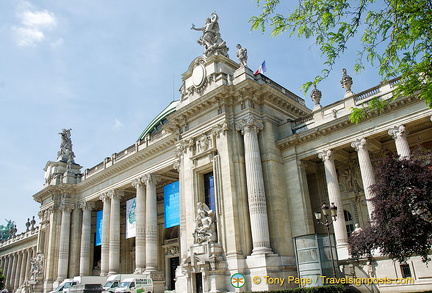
point(99, 217)
point(130, 218)
point(172, 204)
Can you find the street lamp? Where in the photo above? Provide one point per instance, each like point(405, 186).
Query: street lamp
point(332, 212)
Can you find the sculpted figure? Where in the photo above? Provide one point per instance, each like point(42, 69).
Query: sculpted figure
point(242, 55)
point(211, 39)
point(205, 229)
point(66, 154)
point(36, 265)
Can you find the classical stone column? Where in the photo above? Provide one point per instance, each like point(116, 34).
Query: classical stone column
point(114, 239)
point(250, 127)
point(12, 271)
point(87, 208)
point(366, 170)
point(151, 223)
point(18, 270)
point(399, 134)
point(23, 267)
point(63, 258)
point(9, 272)
point(335, 197)
point(140, 215)
point(105, 234)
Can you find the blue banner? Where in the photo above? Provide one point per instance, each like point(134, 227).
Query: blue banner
point(172, 204)
point(99, 216)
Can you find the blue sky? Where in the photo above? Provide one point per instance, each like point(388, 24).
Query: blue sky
point(106, 68)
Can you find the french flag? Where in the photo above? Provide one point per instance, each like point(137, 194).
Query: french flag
point(261, 69)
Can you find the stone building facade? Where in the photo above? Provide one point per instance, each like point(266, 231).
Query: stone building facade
point(253, 163)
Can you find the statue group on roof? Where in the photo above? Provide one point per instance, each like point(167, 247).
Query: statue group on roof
point(211, 38)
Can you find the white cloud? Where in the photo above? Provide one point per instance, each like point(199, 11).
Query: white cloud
point(33, 26)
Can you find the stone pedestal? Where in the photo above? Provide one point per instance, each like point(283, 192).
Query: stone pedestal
point(265, 265)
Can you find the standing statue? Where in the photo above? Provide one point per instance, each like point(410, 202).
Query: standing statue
point(242, 55)
point(211, 39)
point(66, 154)
point(205, 228)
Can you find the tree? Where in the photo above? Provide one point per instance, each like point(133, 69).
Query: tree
point(394, 35)
point(2, 279)
point(401, 224)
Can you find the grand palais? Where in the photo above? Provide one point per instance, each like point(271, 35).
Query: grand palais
point(223, 181)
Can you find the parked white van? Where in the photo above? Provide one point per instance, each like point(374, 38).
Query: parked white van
point(136, 285)
point(65, 286)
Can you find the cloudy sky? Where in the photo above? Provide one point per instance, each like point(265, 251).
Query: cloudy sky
point(106, 68)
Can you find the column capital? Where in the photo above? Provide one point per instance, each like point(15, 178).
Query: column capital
point(360, 144)
point(151, 178)
point(66, 207)
point(137, 182)
point(326, 155)
point(115, 193)
point(249, 124)
point(86, 205)
point(398, 131)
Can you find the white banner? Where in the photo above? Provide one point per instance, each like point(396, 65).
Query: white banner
point(130, 218)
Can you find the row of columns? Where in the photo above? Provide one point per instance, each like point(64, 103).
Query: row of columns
point(17, 267)
point(146, 227)
point(399, 134)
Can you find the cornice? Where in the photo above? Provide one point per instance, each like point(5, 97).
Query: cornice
point(129, 162)
point(338, 124)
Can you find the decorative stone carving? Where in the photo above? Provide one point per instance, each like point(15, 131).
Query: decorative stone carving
point(346, 82)
point(36, 266)
point(242, 55)
point(250, 123)
point(211, 38)
point(220, 128)
point(66, 154)
point(205, 229)
point(316, 97)
point(203, 143)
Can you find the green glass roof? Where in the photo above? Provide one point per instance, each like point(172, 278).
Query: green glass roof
point(171, 108)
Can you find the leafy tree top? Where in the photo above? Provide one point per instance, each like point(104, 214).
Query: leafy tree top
point(401, 224)
point(394, 35)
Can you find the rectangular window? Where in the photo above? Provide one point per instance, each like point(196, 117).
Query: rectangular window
point(406, 271)
point(209, 191)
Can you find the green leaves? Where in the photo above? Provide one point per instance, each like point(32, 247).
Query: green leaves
point(394, 35)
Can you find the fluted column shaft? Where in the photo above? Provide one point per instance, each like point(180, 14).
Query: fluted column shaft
point(23, 267)
point(366, 170)
point(105, 234)
point(255, 185)
point(335, 197)
point(63, 260)
point(140, 215)
point(399, 134)
point(13, 271)
point(86, 238)
point(8, 273)
point(114, 239)
point(151, 223)
point(18, 270)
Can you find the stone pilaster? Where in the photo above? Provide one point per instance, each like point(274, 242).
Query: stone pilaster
point(250, 127)
point(399, 134)
point(151, 223)
point(140, 215)
point(63, 259)
point(105, 234)
point(114, 239)
point(87, 208)
point(366, 170)
point(335, 197)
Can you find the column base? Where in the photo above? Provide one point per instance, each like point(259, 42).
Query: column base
point(261, 250)
point(269, 272)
